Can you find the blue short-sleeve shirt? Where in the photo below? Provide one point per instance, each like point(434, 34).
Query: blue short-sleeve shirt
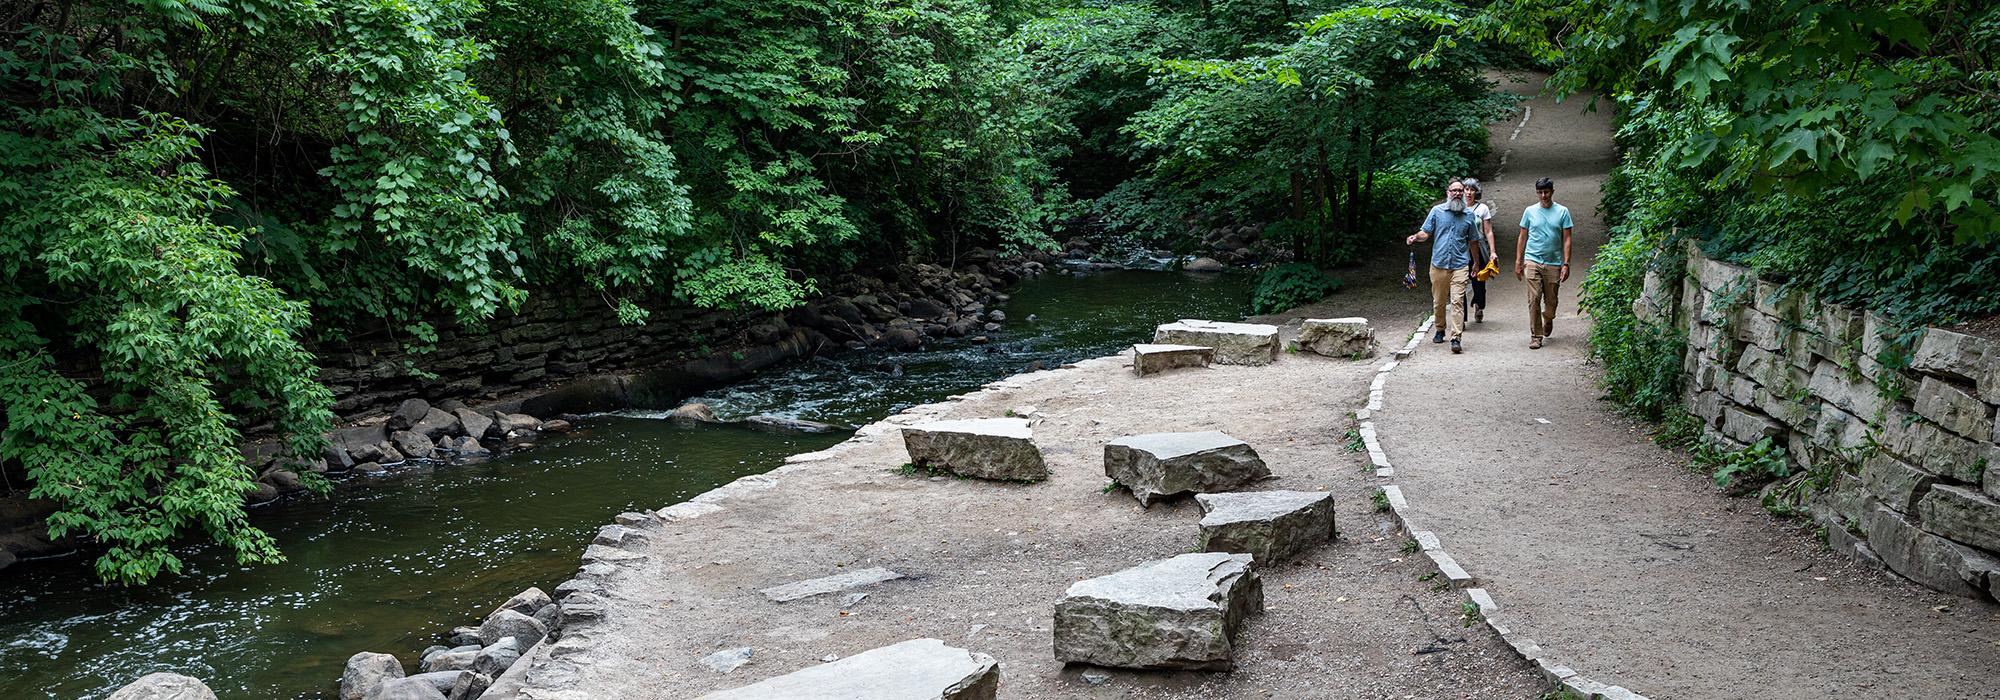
point(1451, 233)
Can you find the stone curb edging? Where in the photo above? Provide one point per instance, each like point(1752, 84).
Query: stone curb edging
point(1571, 683)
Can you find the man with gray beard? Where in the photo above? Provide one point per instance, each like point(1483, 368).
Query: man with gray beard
point(1453, 227)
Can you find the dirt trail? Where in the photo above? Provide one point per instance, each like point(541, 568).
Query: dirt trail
point(1606, 549)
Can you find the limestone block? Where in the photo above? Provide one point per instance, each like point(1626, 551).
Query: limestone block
point(1837, 430)
point(1785, 410)
point(1772, 370)
point(1269, 525)
point(1154, 358)
point(1717, 276)
point(1737, 388)
point(1963, 515)
point(1234, 343)
point(1338, 337)
point(1749, 426)
point(164, 686)
point(1934, 449)
point(1894, 483)
point(987, 448)
point(1953, 409)
point(1707, 406)
point(1179, 613)
point(1758, 329)
point(829, 584)
point(1923, 557)
point(1157, 465)
point(1970, 359)
point(1856, 398)
point(919, 669)
point(1656, 298)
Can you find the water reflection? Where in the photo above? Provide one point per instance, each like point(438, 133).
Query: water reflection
point(390, 562)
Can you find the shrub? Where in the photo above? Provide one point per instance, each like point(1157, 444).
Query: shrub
point(1287, 286)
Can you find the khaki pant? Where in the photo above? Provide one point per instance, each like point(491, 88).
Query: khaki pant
point(1544, 285)
point(1448, 290)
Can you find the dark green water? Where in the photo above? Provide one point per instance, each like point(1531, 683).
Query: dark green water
point(388, 563)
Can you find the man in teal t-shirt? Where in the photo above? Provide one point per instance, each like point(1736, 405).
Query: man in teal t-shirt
point(1543, 260)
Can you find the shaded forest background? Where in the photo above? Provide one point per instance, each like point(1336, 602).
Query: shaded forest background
point(193, 192)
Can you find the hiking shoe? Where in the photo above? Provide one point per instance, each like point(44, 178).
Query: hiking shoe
point(1456, 348)
point(1439, 338)
point(1535, 344)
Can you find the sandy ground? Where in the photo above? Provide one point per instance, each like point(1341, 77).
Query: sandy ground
point(1606, 549)
point(986, 562)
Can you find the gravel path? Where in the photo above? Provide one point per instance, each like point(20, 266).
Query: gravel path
point(1607, 550)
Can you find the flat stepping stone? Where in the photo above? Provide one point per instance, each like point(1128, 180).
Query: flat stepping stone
point(1350, 338)
point(919, 669)
point(1159, 465)
point(987, 448)
point(1270, 525)
point(1178, 613)
point(1234, 343)
point(1154, 358)
point(829, 584)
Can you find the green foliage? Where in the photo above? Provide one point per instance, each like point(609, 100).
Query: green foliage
point(1261, 112)
point(1757, 464)
point(108, 243)
point(1837, 146)
point(1381, 500)
point(1290, 285)
point(1354, 442)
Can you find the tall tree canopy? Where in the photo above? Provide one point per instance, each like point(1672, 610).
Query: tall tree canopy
point(192, 191)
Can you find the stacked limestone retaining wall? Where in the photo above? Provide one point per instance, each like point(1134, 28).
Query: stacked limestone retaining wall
point(1894, 462)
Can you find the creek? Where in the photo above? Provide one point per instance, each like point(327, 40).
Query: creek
point(389, 563)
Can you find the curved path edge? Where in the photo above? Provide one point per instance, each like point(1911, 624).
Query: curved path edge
point(1567, 679)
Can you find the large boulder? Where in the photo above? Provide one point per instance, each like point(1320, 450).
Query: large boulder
point(919, 669)
point(693, 413)
point(1154, 358)
point(1178, 613)
point(1338, 337)
point(366, 672)
point(1234, 343)
point(528, 602)
point(407, 414)
point(512, 424)
point(412, 688)
point(1158, 465)
point(987, 448)
point(511, 623)
point(475, 423)
point(469, 686)
point(458, 659)
point(412, 445)
point(1204, 264)
point(436, 425)
point(495, 660)
point(1270, 525)
point(164, 686)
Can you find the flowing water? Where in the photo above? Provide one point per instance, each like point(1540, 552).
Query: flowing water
point(390, 562)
